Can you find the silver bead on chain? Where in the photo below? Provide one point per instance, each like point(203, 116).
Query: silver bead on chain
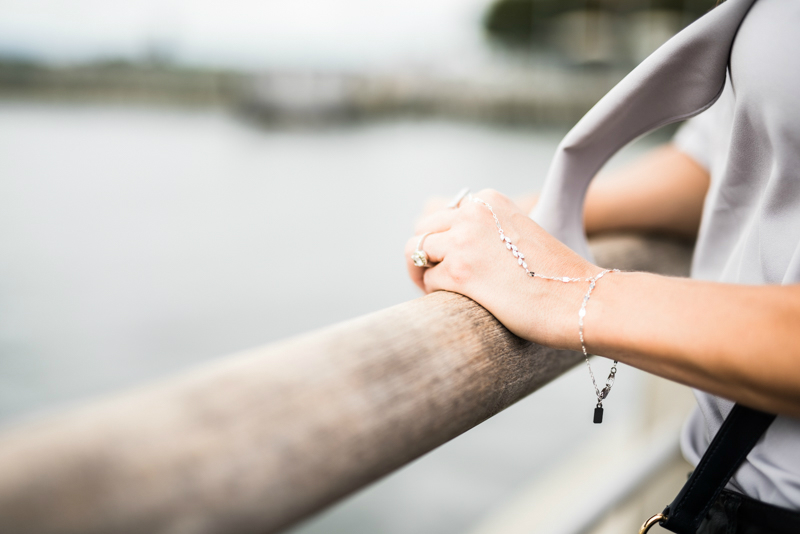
point(601, 394)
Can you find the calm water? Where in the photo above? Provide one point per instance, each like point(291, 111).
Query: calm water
point(137, 242)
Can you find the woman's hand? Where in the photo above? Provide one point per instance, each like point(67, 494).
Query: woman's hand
point(469, 258)
point(739, 342)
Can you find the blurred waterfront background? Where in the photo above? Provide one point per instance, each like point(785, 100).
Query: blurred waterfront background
point(183, 180)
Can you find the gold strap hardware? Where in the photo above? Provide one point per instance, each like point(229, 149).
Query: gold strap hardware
point(650, 522)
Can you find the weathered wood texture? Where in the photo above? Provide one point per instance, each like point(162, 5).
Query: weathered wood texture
point(257, 441)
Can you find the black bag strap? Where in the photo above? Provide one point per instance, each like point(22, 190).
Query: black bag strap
point(737, 436)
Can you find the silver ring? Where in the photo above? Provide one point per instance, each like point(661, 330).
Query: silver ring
point(458, 198)
point(419, 257)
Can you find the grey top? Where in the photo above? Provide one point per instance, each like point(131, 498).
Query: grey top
point(750, 142)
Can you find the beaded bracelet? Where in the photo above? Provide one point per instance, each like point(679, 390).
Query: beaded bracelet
point(600, 393)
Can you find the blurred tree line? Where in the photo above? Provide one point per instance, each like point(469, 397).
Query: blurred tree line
point(590, 31)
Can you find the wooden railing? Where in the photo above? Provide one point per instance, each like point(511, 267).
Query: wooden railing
point(257, 441)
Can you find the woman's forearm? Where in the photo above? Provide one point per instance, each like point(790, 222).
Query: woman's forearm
point(738, 342)
point(661, 192)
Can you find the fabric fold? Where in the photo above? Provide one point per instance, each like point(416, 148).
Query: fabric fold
point(682, 78)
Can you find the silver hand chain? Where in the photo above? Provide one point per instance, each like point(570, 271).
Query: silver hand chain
point(601, 394)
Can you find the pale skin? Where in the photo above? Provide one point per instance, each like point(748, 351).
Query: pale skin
point(739, 342)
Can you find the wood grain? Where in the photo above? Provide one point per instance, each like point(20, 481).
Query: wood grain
point(257, 441)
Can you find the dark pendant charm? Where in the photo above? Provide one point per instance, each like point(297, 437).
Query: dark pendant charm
point(598, 415)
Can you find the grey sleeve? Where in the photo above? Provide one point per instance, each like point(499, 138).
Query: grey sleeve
point(694, 138)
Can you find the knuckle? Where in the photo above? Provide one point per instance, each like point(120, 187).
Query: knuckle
point(458, 270)
point(473, 212)
point(494, 197)
point(421, 222)
point(466, 211)
point(488, 193)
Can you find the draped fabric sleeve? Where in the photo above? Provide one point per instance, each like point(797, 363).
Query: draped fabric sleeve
point(695, 137)
point(682, 78)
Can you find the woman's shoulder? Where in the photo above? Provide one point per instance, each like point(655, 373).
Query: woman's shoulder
point(765, 59)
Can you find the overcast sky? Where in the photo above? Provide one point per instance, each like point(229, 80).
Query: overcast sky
point(245, 33)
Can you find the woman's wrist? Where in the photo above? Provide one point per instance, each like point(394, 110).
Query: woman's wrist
point(560, 304)
point(623, 317)
point(599, 328)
